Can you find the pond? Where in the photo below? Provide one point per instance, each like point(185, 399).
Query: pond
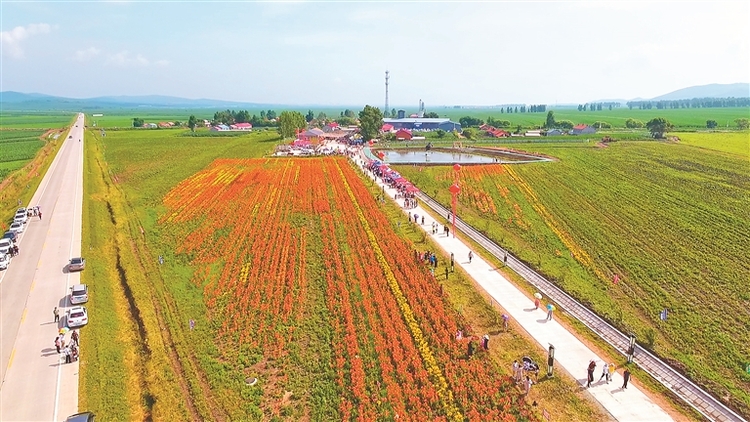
point(440, 156)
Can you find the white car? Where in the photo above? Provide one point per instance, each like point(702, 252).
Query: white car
point(20, 217)
point(79, 294)
point(5, 245)
point(22, 209)
point(4, 261)
point(16, 227)
point(77, 317)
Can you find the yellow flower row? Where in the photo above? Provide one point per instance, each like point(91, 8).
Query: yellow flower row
point(579, 254)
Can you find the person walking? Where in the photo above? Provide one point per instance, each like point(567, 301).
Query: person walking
point(74, 337)
point(66, 352)
point(505, 259)
point(515, 370)
point(611, 374)
point(550, 309)
point(590, 370)
point(625, 378)
point(57, 344)
point(536, 303)
point(422, 221)
point(605, 372)
point(470, 348)
point(471, 255)
point(527, 385)
point(40, 215)
point(451, 261)
point(506, 318)
point(486, 342)
point(56, 313)
point(446, 272)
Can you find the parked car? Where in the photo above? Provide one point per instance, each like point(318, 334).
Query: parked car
point(4, 261)
point(79, 294)
point(20, 217)
point(13, 236)
point(77, 317)
point(22, 209)
point(77, 264)
point(16, 227)
point(5, 245)
point(81, 417)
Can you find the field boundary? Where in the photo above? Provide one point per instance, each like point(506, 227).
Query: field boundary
point(696, 397)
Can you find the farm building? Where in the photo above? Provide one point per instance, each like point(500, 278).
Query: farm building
point(331, 127)
point(219, 128)
point(241, 126)
point(150, 125)
point(387, 128)
point(403, 134)
point(582, 130)
point(555, 132)
point(423, 123)
point(493, 131)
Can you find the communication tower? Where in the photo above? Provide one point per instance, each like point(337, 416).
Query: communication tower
point(386, 111)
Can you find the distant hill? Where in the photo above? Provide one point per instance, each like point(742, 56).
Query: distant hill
point(21, 101)
point(738, 90)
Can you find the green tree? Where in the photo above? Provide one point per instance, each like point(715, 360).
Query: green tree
point(550, 123)
point(192, 122)
point(322, 117)
point(137, 122)
point(742, 123)
point(289, 122)
point(345, 121)
point(440, 133)
point(348, 113)
point(468, 121)
point(633, 124)
point(469, 133)
point(370, 122)
point(431, 115)
point(394, 113)
point(658, 126)
point(602, 125)
point(309, 116)
point(564, 124)
point(270, 114)
point(711, 124)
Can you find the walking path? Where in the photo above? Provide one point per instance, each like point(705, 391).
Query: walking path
point(571, 354)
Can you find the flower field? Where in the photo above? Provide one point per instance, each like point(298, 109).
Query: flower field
point(669, 219)
point(265, 238)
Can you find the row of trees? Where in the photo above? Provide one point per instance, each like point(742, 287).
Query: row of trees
point(597, 106)
point(230, 117)
point(692, 103)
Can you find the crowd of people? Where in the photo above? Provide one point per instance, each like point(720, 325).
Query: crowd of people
point(70, 350)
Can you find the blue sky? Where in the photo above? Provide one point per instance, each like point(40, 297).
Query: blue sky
point(336, 53)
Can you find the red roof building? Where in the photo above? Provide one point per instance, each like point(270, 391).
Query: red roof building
point(403, 134)
point(387, 127)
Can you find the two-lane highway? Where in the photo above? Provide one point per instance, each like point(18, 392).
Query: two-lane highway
point(36, 383)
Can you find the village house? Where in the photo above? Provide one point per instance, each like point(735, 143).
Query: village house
point(582, 130)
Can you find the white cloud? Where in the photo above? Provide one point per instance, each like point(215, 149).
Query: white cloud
point(87, 54)
point(126, 59)
point(11, 40)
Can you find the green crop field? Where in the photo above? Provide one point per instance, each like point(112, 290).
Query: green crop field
point(35, 120)
point(686, 118)
point(17, 147)
point(670, 219)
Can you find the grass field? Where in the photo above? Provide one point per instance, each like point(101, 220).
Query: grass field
point(693, 119)
point(669, 218)
point(184, 374)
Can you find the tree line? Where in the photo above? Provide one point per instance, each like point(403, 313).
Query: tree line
point(708, 102)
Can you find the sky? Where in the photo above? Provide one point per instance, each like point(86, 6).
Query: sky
point(336, 53)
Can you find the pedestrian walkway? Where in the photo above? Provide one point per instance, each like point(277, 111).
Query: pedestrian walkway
point(571, 354)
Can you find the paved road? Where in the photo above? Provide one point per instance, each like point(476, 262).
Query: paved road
point(35, 386)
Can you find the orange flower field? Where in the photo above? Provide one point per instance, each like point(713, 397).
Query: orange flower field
point(265, 237)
